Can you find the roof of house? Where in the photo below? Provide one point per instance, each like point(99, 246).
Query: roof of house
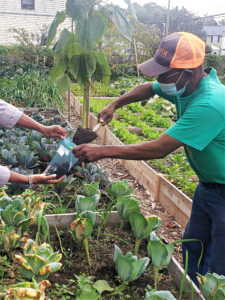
point(213, 30)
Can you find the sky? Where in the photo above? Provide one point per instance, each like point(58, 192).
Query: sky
point(199, 7)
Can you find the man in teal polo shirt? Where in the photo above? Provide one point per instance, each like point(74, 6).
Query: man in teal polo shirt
point(199, 97)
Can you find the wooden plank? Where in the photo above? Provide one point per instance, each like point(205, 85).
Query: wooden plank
point(177, 272)
point(173, 200)
point(63, 221)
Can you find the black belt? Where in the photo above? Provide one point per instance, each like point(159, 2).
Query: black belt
point(212, 185)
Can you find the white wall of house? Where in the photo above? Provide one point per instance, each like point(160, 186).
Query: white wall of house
point(33, 20)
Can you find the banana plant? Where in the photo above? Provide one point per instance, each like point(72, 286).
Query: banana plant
point(26, 290)
point(38, 261)
point(142, 227)
point(159, 295)
point(212, 286)
point(76, 52)
point(82, 229)
point(128, 266)
point(125, 207)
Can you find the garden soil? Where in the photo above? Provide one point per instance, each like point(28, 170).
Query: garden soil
point(101, 252)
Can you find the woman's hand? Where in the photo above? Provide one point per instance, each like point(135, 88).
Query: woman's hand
point(40, 178)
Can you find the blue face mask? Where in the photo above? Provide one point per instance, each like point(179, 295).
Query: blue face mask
point(171, 88)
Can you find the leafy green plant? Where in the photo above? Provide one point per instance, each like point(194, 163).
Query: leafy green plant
point(125, 207)
point(27, 290)
point(212, 286)
point(119, 189)
point(92, 173)
point(159, 295)
point(82, 229)
point(142, 227)
point(161, 253)
point(9, 239)
point(87, 289)
point(38, 261)
point(128, 266)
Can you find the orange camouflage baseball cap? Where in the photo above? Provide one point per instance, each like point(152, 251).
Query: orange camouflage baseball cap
point(179, 50)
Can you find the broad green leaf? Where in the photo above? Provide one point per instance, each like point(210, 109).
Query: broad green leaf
point(121, 21)
point(66, 37)
point(89, 32)
point(59, 18)
point(54, 257)
point(82, 67)
point(123, 268)
point(117, 252)
point(219, 293)
point(138, 224)
point(78, 9)
point(160, 253)
point(8, 215)
point(102, 286)
point(126, 207)
point(88, 228)
point(35, 261)
point(131, 9)
point(102, 68)
point(88, 293)
point(63, 83)
point(91, 189)
point(59, 68)
point(84, 204)
point(73, 49)
point(138, 268)
point(159, 295)
point(52, 267)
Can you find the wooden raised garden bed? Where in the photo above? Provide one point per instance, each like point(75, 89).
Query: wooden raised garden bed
point(175, 202)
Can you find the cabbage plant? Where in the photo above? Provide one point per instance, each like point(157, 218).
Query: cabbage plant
point(142, 227)
point(38, 261)
point(212, 286)
point(82, 229)
point(159, 295)
point(26, 290)
point(119, 189)
point(128, 266)
point(125, 207)
point(10, 239)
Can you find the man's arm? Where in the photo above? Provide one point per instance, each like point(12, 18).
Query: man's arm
point(158, 148)
point(139, 93)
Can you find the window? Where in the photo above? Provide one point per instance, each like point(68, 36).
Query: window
point(215, 39)
point(27, 4)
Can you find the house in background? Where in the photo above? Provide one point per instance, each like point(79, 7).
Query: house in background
point(32, 15)
point(215, 38)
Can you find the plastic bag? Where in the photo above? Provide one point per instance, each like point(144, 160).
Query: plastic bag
point(63, 160)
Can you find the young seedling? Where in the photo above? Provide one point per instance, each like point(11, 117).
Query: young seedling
point(82, 229)
point(142, 227)
point(128, 266)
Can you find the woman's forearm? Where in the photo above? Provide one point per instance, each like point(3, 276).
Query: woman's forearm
point(27, 122)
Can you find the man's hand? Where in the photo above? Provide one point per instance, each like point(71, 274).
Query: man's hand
point(106, 114)
point(40, 178)
point(54, 131)
point(88, 152)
